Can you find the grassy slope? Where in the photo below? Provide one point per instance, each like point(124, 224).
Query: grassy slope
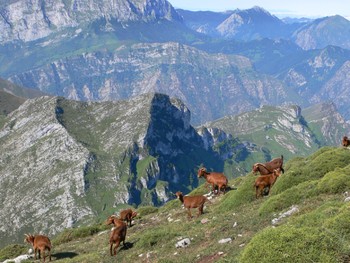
point(319, 232)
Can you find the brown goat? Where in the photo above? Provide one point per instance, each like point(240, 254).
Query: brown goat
point(266, 181)
point(345, 142)
point(117, 235)
point(113, 219)
point(127, 215)
point(214, 179)
point(268, 167)
point(192, 202)
point(40, 243)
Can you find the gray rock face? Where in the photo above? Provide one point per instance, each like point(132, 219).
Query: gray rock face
point(211, 85)
point(42, 172)
point(28, 20)
point(64, 162)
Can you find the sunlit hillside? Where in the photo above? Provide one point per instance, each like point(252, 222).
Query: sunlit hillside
point(304, 219)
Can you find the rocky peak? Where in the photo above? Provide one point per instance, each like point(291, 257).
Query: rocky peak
point(323, 32)
point(250, 24)
point(28, 20)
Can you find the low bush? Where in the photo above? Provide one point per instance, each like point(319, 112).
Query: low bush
point(286, 199)
point(159, 236)
point(313, 167)
point(12, 251)
point(339, 224)
point(335, 182)
point(290, 244)
point(75, 233)
point(245, 193)
point(146, 210)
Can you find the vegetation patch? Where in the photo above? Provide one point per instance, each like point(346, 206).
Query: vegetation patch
point(291, 244)
point(295, 195)
point(75, 233)
point(12, 251)
point(158, 236)
point(318, 232)
point(244, 194)
point(146, 210)
point(335, 182)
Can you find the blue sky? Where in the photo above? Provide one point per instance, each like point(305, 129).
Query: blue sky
point(280, 8)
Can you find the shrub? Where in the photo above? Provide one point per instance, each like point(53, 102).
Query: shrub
point(314, 167)
point(156, 236)
point(290, 244)
point(335, 182)
point(75, 233)
point(146, 210)
point(339, 224)
point(317, 216)
point(292, 196)
point(12, 251)
point(244, 194)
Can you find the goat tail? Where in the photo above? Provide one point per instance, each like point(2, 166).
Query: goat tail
point(282, 156)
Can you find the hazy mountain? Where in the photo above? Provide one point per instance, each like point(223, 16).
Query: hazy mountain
point(204, 21)
point(27, 20)
point(292, 20)
point(212, 85)
point(333, 30)
point(12, 96)
point(254, 23)
point(257, 23)
point(18, 91)
point(119, 49)
point(321, 75)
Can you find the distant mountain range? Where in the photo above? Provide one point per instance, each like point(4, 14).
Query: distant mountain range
point(257, 23)
point(218, 64)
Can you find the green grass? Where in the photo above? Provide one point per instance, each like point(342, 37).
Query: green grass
point(12, 251)
point(319, 232)
point(291, 244)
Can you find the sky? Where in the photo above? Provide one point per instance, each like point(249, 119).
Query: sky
point(280, 8)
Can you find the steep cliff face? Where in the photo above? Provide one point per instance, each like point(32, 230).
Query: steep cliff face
point(42, 172)
point(28, 20)
point(327, 123)
point(322, 76)
point(64, 162)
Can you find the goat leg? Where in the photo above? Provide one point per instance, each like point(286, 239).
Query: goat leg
point(189, 213)
point(116, 247)
point(200, 210)
point(110, 249)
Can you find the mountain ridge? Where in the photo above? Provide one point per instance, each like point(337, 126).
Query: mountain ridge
point(19, 24)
